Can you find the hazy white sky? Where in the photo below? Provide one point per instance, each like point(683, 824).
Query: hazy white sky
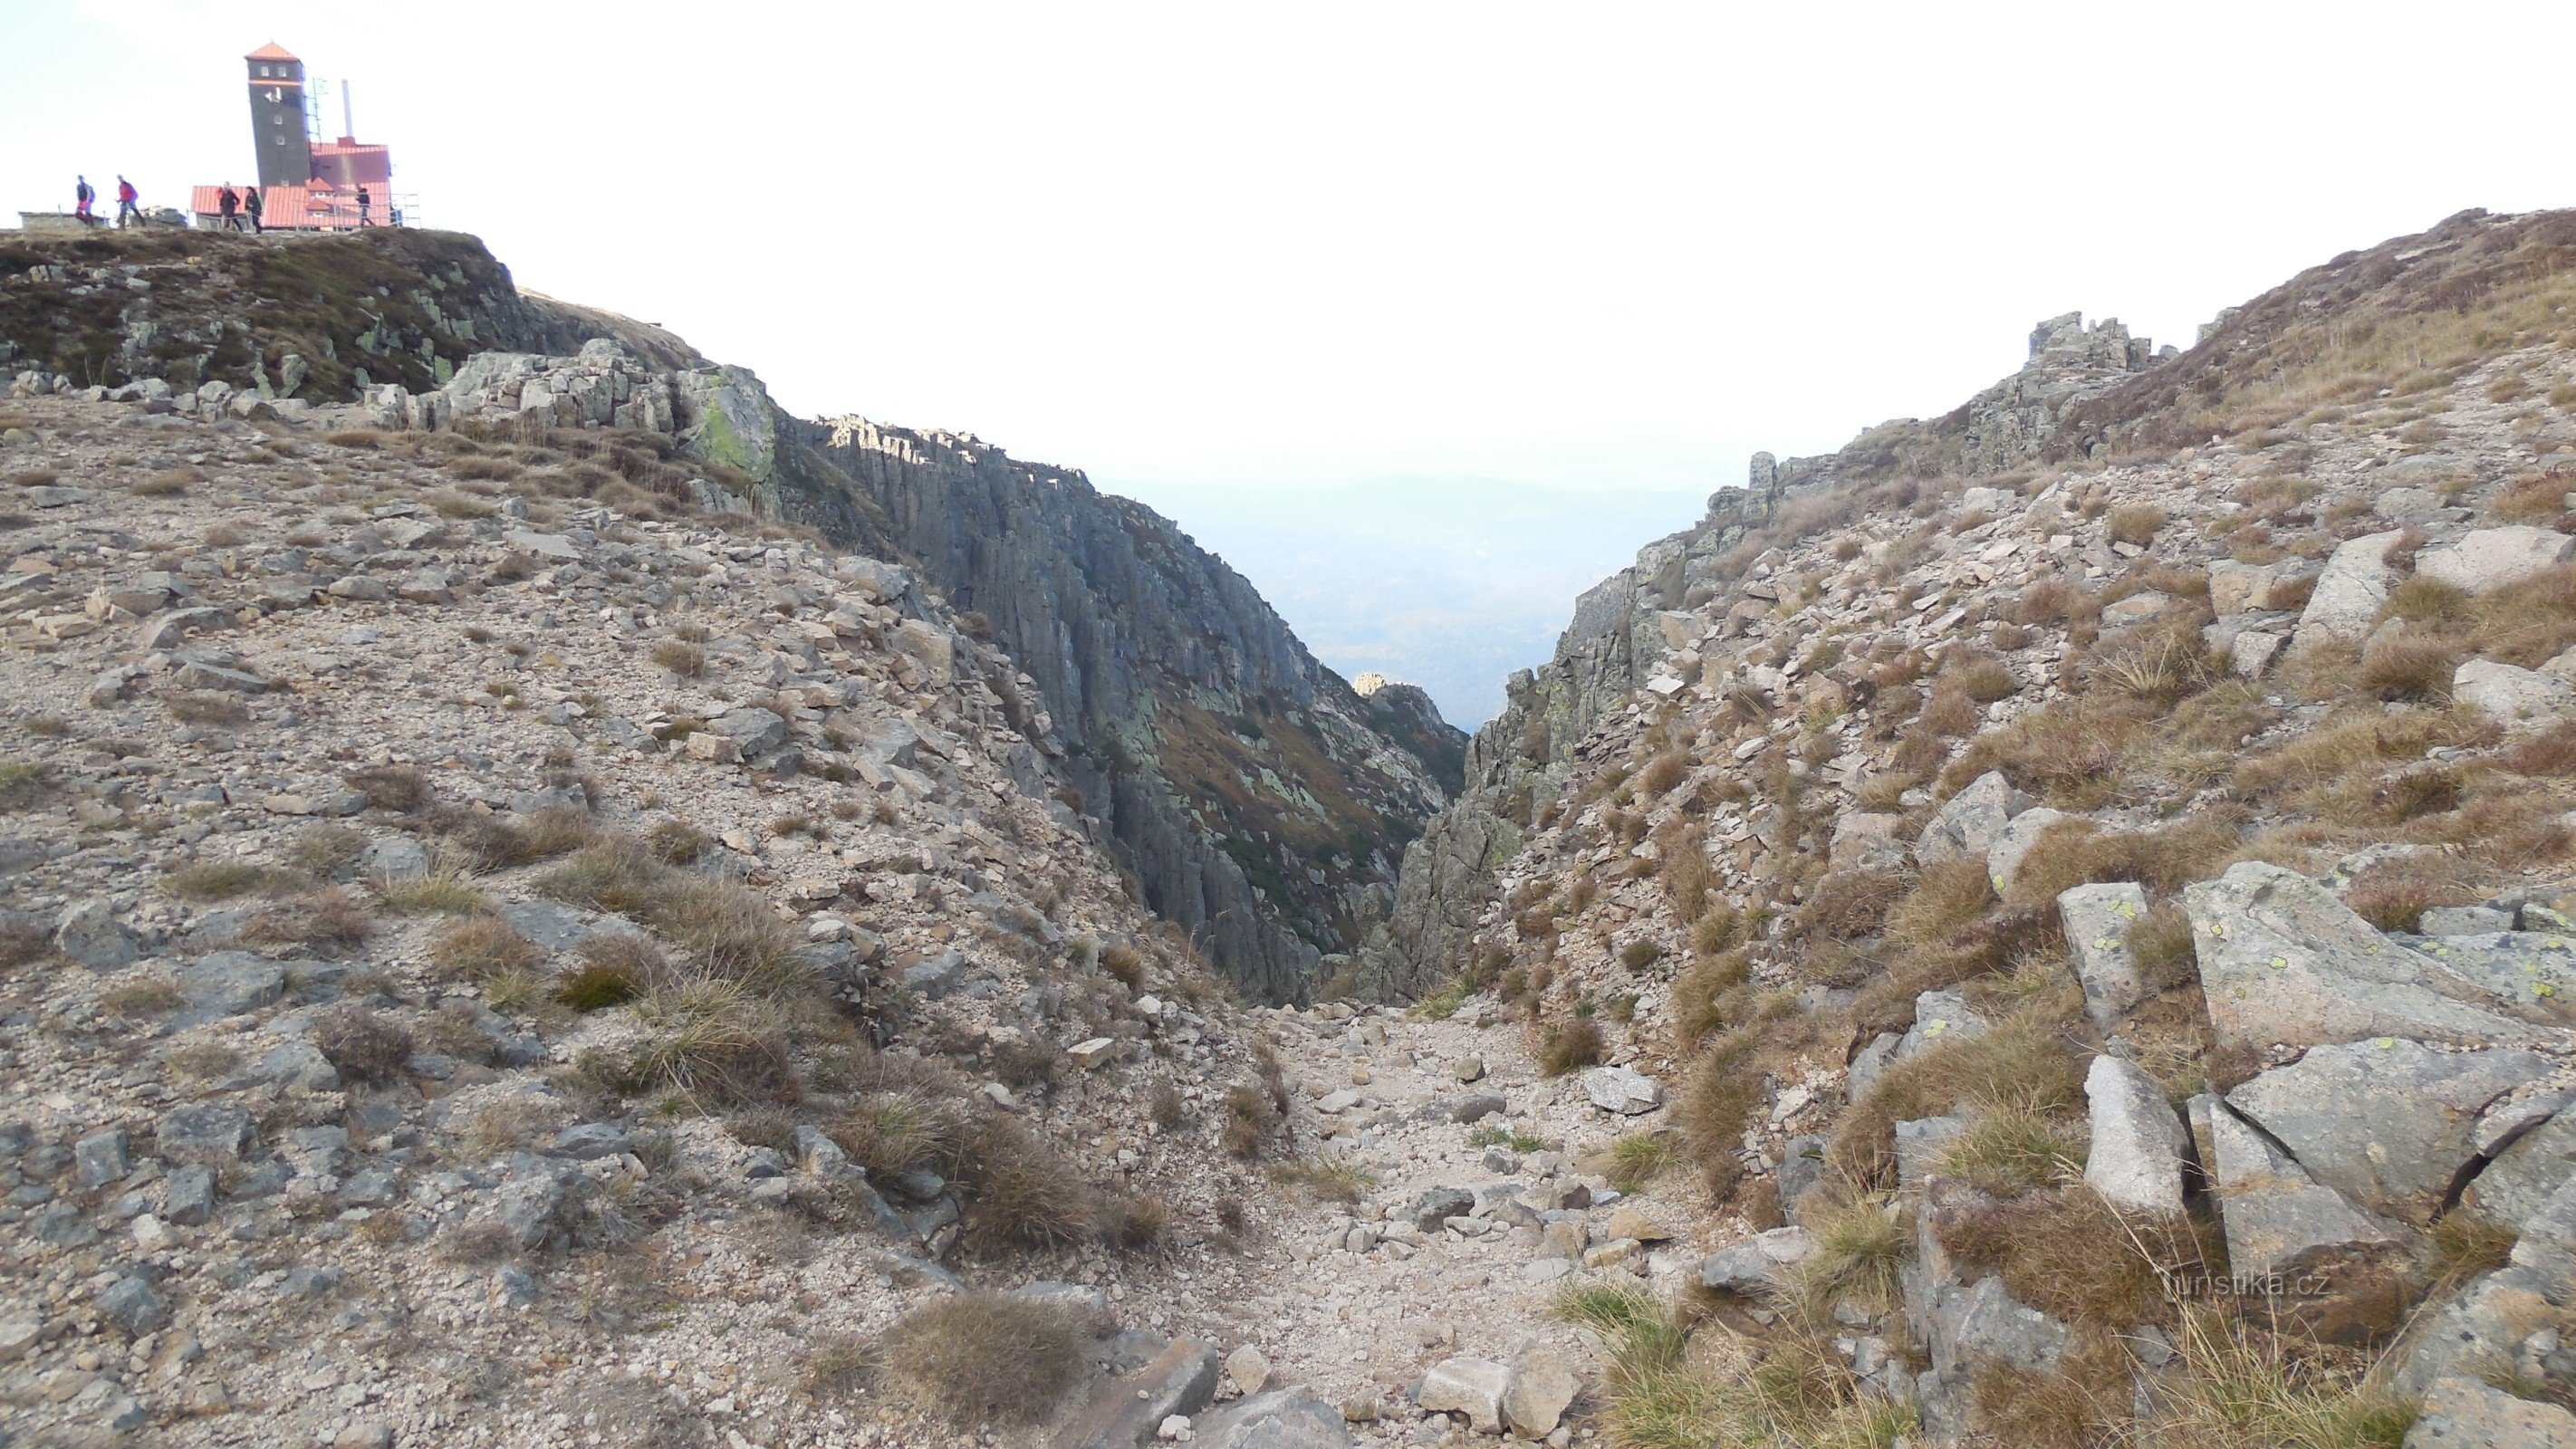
point(1604, 243)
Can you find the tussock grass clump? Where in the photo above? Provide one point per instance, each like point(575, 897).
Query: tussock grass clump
point(2137, 524)
point(2069, 1254)
point(1717, 1100)
point(2552, 752)
point(1707, 996)
point(328, 920)
point(363, 1045)
point(711, 1041)
point(1568, 1045)
point(23, 942)
point(2079, 852)
point(398, 788)
point(205, 707)
point(1945, 896)
point(223, 880)
point(494, 842)
point(22, 784)
point(684, 659)
point(725, 930)
point(1124, 964)
point(1861, 1248)
point(2007, 1151)
point(1666, 1387)
point(446, 892)
point(2022, 1064)
point(143, 996)
point(2238, 1387)
point(1324, 1179)
point(2394, 895)
point(2408, 667)
point(1848, 903)
point(985, 1359)
point(1640, 1157)
point(483, 947)
point(2160, 942)
point(1023, 1193)
point(1250, 1113)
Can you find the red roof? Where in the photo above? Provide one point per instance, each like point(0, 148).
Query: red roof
point(270, 51)
point(295, 208)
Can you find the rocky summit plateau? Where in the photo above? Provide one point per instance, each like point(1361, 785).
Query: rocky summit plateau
point(545, 901)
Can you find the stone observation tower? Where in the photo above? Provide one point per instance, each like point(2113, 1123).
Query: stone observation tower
point(277, 118)
point(306, 183)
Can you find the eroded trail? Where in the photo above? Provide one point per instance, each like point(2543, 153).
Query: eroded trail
point(1444, 1195)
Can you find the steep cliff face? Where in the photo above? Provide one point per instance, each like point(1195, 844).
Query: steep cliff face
point(1254, 794)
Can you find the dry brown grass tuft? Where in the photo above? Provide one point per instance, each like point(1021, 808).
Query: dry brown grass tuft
point(2023, 1064)
point(2160, 942)
point(363, 1045)
point(1944, 897)
point(2408, 667)
point(2137, 524)
point(1022, 1192)
point(390, 787)
point(1568, 1045)
point(329, 920)
point(2395, 894)
point(987, 1359)
point(2079, 852)
point(482, 947)
point(1718, 1098)
point(2069, 1254)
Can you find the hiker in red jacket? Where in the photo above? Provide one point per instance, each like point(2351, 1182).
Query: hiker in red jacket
point(84, 196)
point(126, 197)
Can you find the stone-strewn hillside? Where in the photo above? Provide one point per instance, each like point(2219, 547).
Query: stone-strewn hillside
point(1258, 802)
point(2086, 881)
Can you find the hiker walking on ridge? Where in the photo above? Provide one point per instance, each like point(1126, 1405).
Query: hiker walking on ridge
point(228, 201)
point(126, 197)
point(362, 207)
point(251, 204)
point(84, 196)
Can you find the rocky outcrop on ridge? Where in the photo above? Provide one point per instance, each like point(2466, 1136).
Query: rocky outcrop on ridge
point(2089, 927)
point(1259, 802)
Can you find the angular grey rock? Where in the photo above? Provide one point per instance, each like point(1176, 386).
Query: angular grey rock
point(2096, 921)
point(1540, 1388)
point(168, 631)
point(2534, 971)
point(2515, 698)
point(2014, 843)
point(2464, 1413)
point(229, 983)
point(2526, 1173)
point(1868, 1063)
point(1802, 1171)
point(2505, 1318)
point(194, 673)
point(90, 934)
point(2388, 1123)
point(1247, 1369)
point(1866, 841)
point(2464, 921)
point(1290, 1418)
point(2275, 1215)
point(1748, 1267)
point(524, 1206)
point(1125, 1410)
point(395, 857)
point(1988, 1323)
point(216, 1134)
point(102, 1158)
point(2282, 962)
point(752, 730)
point(1476, 1107)
point(1968, 822)
point(937, 975)
point(1940, 1016)
point(1919, 1145)
point(1622, 1090)
point(2487, 559)
point(1470, 1386)
point(2138, 1140)
point(130, 1304)
point(1430, 1209)
point(59, 1224)
point(296, 1062)
point(2350, 591)
point(189, 1197)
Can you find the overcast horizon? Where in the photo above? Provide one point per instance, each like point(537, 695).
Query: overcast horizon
point(1223, 259)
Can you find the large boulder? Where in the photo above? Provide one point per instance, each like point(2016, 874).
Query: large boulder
point(2350, 591)
point(1290, 1418)
point(90, 934)
point(2138, 1139)
point(2466, 1413)
point(2323, 1262)
point(2388, 1123)
point(2535, 970)
point(2014, 843)
point(1472, 1387)
point(1749, 1266)
point(1126, 1410)
point(2284, 963)
point(2518, 1183)
point(2514, 698)
point(1968, 822)
point(1622, 1090)
point(2490, 558)
point(2507, 1319)
point(2096, 920)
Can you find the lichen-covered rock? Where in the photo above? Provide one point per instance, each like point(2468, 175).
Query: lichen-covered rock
point(2321, 1261)
point(2350, 591)
point(2096, 920)
point(2387, 1122)
point(1968, 822)
point(2486, 559)
point(2138, 1140)
point(2282, 962)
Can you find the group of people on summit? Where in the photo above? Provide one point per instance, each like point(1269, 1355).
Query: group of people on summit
point(233, 206)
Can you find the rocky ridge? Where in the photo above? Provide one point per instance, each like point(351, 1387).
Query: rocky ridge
point(2149, 831)
point(1260, 803)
